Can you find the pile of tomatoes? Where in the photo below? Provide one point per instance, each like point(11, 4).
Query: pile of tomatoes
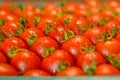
point(71, 39)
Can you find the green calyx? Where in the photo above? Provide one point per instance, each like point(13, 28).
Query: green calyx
point(32, 39)
point(83, 28)
point(1, 38)
point(61, 66)
point(116, 14)
point(88, 14)
point(102, 22)
point(67, 36)
point(2, 22)
point(13, 52)
point(68, 12)
point(114, 60)
point(63, 3)
point(67, 21)
point(5, 33)
point(91, 24)
point(22, 20)
point(49, 28)
point(48, 51)
point(36, 20)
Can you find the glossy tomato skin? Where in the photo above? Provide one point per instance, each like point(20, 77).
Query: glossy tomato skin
point(36, 72)
point(72, 71)
point(2, 58)
point(31, 34)
point(25, 60)
point(12, 43)
point(43, 43)
point(106, 69)
point(87, 58)
point(94, 34)
point(108, 47)
point(57, 61)
point(73, 45)
point(7, 70)
point(11, 29)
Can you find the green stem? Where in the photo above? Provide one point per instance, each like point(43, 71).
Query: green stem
point(2, 22)
point(32, 39)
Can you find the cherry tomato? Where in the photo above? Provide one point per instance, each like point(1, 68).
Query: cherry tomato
point(2, 58)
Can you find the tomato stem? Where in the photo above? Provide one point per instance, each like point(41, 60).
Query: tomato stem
point(2, 22)
point(32, 39)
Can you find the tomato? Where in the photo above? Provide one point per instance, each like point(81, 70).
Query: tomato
point(7, 70)
point(61, 34)
point(73, 45)
point(106, 69)
point(94, 34)
point(2, 58)
point(108, 47)
point(25, 60)
point(78, 26)
point(12, 28)
point(59, 60)
point(89, 60)
point(71, 71)
point(30, 35)
point(36, 72)
point(44, 46)
point(10, 45)
point(49, 6)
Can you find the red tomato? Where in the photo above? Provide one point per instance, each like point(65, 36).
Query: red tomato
point(10, 45)
point(94, 34)
point(7, 70)
point(36, 72)
point(30, 35)
point(71, 71)
point(57, 61)
point(108, 47)
point(61, 34)
point(106, 69)
point(2, 58)
point(44, 46)
point(73, 45)
point(25, 60)
point(49, 6)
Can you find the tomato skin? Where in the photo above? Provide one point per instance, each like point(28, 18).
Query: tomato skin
point(85, 59)
point(53, 62)
point(10, 43)
point(71, 71)
point(25, 60)
point(30, 32)
point(7, 70)
point(2, 58)
point(73, 45)
point(36, 72)
point(94, 33)
point(106, 69)
point(108, 47)
point(41, 43)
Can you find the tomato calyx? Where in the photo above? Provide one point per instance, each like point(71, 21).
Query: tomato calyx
point(114, 60)
point(49, 27)
point(67, 21)
point(116, 14)
point(63, 3)
point(1, 38)
point(47, 51)
point(67, 36)
point(5, 33)
point(2, 22)
point(103, 21)
point(36, 20)
point(62, 66)
point(13, 52)
point(88, 14)
point(83, 28)
point(91, 24)
point(87, 48)
point(32, 39)
point(22, 20)
point(68, 12)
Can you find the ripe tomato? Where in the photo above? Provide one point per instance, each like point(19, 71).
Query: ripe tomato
point(108, 47)
point(12, 28)
point(44, 46)
point(2, 58)
point(10, 45)
point(7, 70)
point(71, 71)
point(106, 69)
point(30, 35)
point(94, 34)
point(36, 72)
point(73, 45)
point(25, 60)
point(61, 34)
point(57, 61)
